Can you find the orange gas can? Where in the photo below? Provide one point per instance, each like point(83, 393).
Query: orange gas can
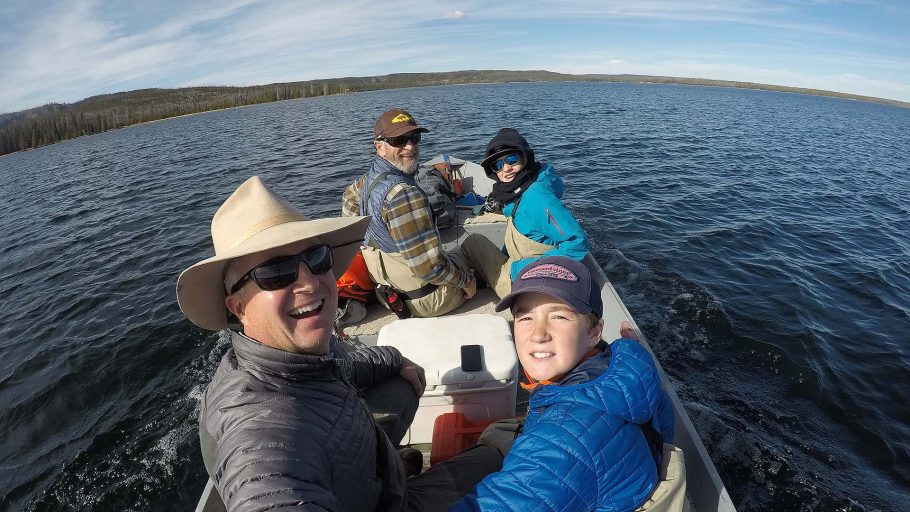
point(452, 434)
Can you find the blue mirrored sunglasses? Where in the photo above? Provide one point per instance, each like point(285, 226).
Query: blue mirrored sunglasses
point(512, 159)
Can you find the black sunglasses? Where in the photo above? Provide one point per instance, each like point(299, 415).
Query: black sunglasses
point(401, 140)
point(278, 273)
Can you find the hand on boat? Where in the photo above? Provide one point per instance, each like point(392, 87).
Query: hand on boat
point(413, 373)
point(627, 331)
point(470, 289)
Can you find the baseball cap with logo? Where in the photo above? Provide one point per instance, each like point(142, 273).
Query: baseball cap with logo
point(396, 122)
point(559, 277)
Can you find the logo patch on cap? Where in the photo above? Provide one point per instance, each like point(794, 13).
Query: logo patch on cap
point(402, 118)
point(550, 271)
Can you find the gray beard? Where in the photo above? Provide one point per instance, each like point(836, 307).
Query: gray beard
point(409, 168)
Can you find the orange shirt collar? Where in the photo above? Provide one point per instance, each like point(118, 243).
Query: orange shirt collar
point(532, 384)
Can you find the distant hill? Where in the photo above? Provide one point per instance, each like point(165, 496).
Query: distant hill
point(56, 122)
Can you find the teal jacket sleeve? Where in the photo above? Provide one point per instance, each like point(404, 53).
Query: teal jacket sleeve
point(542, 217)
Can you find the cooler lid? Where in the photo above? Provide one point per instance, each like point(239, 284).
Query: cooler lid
point(435, 344)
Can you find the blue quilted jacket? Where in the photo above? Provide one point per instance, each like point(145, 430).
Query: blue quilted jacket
point(581, 449)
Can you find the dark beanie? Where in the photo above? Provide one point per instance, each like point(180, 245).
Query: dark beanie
point(506, 141)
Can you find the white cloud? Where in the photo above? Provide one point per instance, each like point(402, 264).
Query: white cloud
point(72, 52)
point(691, 68)
point(85, 47)
point(849, 82)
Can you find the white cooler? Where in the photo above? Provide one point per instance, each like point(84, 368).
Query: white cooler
point(435, 344)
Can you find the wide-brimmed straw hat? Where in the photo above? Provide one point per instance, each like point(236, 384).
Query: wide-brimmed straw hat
point(255, 219)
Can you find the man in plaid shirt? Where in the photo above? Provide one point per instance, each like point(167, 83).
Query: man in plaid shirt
point(403, 247)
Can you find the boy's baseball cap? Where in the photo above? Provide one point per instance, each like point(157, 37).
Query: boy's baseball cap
point(560, 277)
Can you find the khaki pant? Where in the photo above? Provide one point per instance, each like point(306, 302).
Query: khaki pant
point(489, 262)
point(493, 265)
point(669, 495)
point(390, 269)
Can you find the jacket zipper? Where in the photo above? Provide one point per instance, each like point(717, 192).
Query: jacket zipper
point(551, 220)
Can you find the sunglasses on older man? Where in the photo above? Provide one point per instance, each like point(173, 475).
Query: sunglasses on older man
point(401, 140)
point(281, 272)
point(512, 159)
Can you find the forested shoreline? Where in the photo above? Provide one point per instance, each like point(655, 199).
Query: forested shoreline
point(55, 122)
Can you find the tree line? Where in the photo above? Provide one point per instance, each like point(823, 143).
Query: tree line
point(56, 122)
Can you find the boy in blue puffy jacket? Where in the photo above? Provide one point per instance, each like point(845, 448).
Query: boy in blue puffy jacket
point(597, 415)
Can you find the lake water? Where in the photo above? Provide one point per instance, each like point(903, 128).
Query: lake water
point(760, 239)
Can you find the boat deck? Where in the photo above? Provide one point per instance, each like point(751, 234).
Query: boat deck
point(378, 316)
point(705, 490)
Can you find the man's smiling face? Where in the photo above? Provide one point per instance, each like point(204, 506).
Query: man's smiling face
point(297, 318)
point(404, 158)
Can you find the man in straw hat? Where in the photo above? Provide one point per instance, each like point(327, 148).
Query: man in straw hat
point(403, 250)
point(282, 422)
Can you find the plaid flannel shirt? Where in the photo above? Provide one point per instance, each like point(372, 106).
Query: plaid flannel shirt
point(410, 221)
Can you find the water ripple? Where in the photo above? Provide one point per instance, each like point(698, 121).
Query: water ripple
point(759, 239)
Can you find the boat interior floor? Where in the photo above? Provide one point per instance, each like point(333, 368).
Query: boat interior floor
point(484, 301)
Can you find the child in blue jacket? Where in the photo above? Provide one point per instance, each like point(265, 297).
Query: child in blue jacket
point(529, 194)
point(597, 417)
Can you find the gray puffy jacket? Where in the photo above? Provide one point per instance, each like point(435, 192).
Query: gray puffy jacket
point(282, 430)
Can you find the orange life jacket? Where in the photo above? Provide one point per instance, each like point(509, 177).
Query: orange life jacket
point(355, 283)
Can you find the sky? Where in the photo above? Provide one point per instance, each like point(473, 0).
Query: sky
point(64, 51)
